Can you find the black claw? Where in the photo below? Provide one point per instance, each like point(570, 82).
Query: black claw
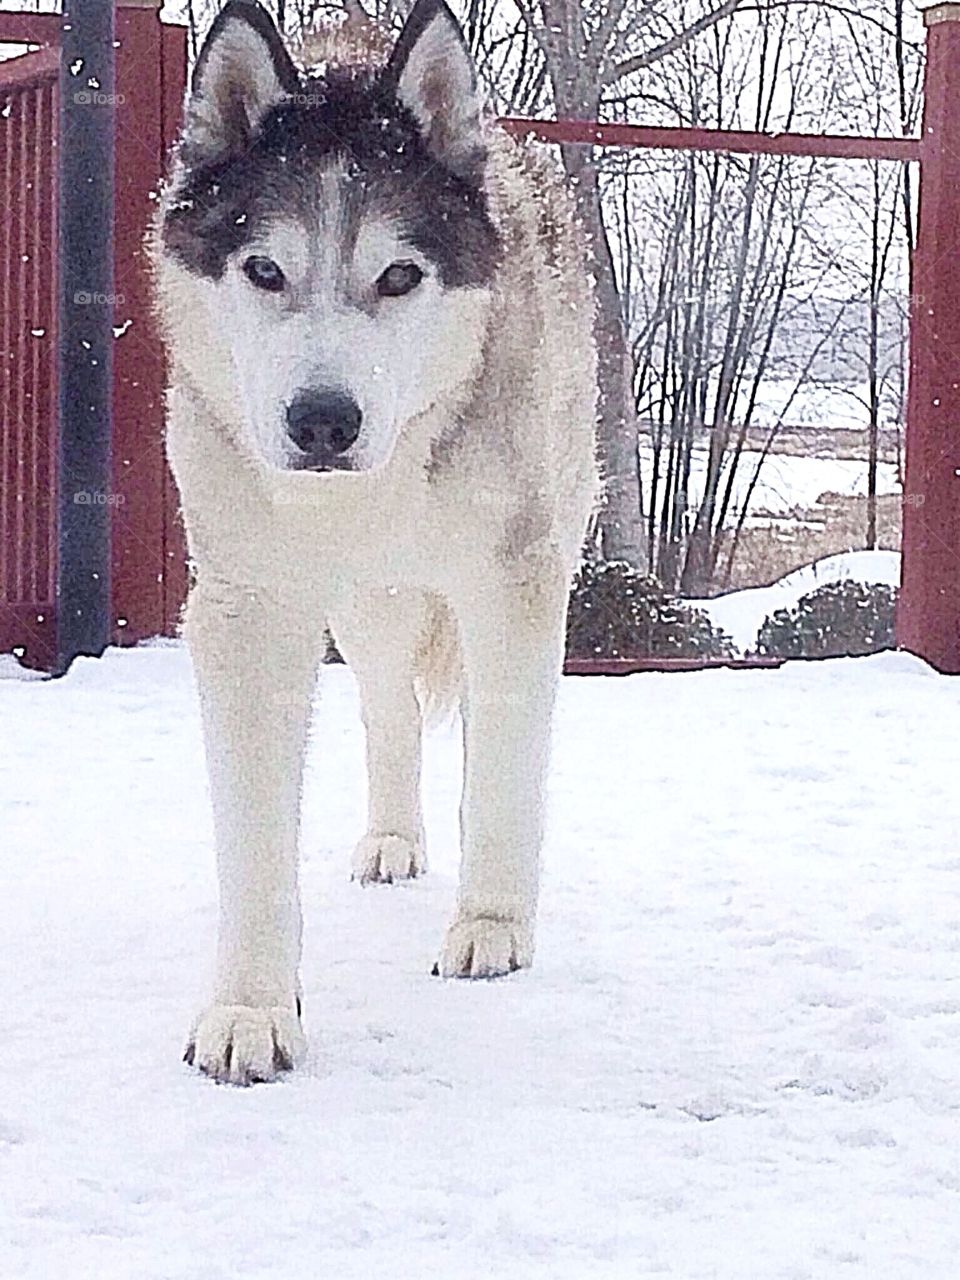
point(299, 1010)
point(189, 1054)
point(281, 1059)
point(228, 1057)
point(435, 971)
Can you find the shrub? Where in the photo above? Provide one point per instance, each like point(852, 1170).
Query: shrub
point(616, 612)
point(840, 619)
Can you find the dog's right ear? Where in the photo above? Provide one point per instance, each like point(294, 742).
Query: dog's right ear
point(433, 76)
point(243, 70)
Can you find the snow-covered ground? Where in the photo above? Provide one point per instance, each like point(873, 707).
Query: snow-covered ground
point(738, 1056)
point(741, 613)
point(791, 482)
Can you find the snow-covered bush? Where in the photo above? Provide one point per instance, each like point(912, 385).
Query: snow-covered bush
point(841, 618)
point(616, 612)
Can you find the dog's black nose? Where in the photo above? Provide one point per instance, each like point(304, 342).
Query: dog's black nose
point(323, 424)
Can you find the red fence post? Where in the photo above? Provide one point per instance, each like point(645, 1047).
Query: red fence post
point(928, 622)
point(150, 77)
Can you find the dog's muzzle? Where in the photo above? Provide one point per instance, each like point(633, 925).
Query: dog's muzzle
point(323, 425)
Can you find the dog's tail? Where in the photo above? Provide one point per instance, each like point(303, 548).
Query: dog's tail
point(438, 664)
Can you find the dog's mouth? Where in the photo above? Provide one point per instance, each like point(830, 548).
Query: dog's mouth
point(320, 467)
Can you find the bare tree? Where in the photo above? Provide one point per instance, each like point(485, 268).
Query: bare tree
point(572, 57)
point(720, 259)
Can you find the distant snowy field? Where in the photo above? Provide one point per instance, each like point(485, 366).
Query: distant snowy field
point(738, 1056)
point(790, 482)
point(787, 483)
point(839, 405)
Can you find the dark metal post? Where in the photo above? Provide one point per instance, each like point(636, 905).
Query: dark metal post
point(86, 168)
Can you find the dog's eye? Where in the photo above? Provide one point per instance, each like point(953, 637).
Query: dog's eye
point(264, 273)
point(398, 279)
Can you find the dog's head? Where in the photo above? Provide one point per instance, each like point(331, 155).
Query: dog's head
point(336, 227)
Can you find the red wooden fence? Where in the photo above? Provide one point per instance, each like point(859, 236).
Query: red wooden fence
point(148, 560)
point(28, 348)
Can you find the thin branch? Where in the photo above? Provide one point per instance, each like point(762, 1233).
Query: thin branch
point(847, 11)
point(682, 38)
point(629, 66)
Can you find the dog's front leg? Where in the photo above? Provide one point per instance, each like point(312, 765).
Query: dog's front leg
point(255, 658)
point(512, 638)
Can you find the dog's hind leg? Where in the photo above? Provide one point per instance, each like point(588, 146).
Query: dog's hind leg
point(377, 635)
point(255, 657)
point(512, 638)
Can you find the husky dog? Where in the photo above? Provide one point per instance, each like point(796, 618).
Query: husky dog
point(381, 420)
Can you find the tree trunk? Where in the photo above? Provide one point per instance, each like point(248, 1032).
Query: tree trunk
point(622, 531)
point(621, 518)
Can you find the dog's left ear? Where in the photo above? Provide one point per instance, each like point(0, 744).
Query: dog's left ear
point(433, 76)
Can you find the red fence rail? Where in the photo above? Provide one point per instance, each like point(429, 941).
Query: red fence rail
point(824, 146)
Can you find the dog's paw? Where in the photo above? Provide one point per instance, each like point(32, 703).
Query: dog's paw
point(485, 947)
point(383, 859)
point(240, 1044)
